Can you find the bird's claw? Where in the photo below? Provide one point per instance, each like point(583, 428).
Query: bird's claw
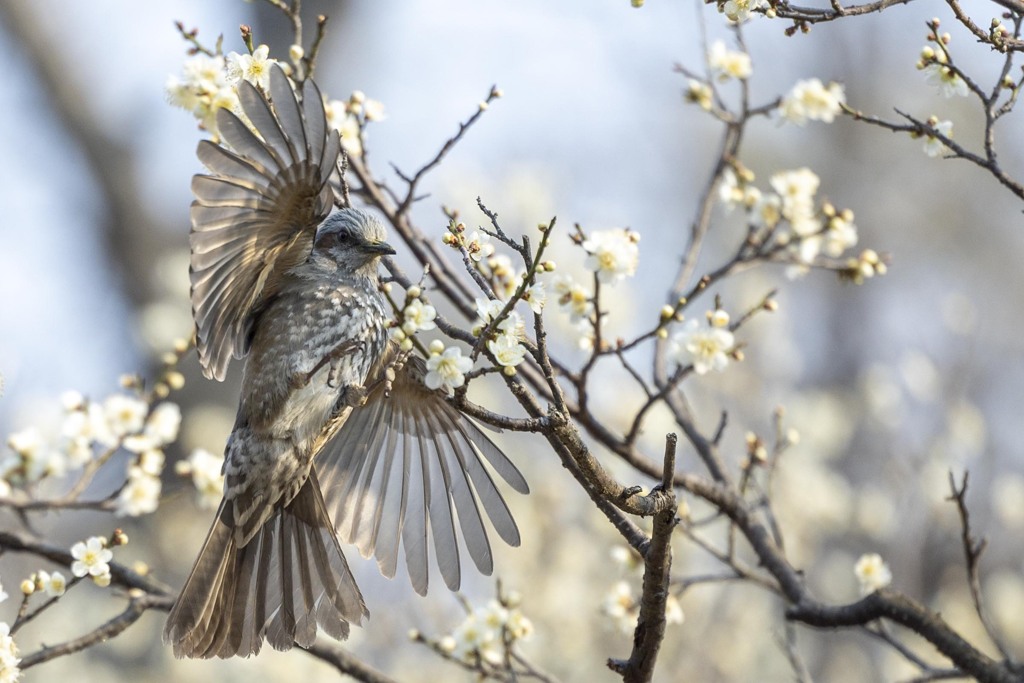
point(332, 359)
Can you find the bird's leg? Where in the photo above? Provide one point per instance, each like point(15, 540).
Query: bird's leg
point(355, 396)
point(336, 353)
point(392, 369)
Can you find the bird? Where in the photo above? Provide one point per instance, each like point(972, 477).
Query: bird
point(337, 438)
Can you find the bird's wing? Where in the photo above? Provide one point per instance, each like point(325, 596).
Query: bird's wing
point(255, 215)
point(408, 466)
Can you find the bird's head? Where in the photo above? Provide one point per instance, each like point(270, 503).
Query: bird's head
point(353, 239)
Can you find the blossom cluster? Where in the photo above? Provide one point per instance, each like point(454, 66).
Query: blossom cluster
point(210, 82)
point(505, 341)
point(9, 660)
point(89, 427)
point(498, 269)
point(350, 117)
point(206, 471)
point(622, 605)
point(938, 68)
point(487, 631)
point(790, 212)
point(417, 316)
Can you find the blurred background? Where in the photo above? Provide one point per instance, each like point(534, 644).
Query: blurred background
point(890, 384)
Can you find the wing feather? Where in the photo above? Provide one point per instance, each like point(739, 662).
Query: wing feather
point(401, 469)
point(256, 212)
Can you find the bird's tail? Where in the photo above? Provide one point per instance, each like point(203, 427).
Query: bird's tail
point(288, 579)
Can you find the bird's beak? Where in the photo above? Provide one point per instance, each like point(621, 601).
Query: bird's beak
point(381, 248)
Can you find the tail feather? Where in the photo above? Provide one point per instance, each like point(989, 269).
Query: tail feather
point(288, 579)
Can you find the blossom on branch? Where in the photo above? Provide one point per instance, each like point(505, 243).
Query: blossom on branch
point(705, 347)
point(140, 494)
point(9, 659)
point(507, 350)
point(872, 573)
point(206, 472)
point(934, 146)
point(54, 584)
point(613, 254)
point(727, 64)
point(948, 81)
point(739, 11)
point(699, 93)
point(91, 557)
point(161, 428)
point(573, 297)
point(254, 68)
point(810, 100)
point(418, 317)
point(447, 370)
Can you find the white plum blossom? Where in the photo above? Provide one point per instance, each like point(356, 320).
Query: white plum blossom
point(797, 189)
point(699, 93)
point(72, 400)
point(254, 68)
point(125, 414)
point(91, 557)
point(739, 10)
point(727, 64)
point(447, 370)
point(373, 110)
point(613, 254)
point(621, 605)
point(484, 631)
point(948, 81)
point(503, 275)
point(32, 458)
point(479, 246)
point(54, 584)
point(673, 610)
point(207, 473)
point(706, 347)
point(161, 428)
point(872, 573)
point(9, 660)
point(535, 297)
point(507, 350)
point(418, 317)
point(205, 72)
point(811, 100)
point(84, 427)
point(347, 125)
point(573, 297)
point(934, 146)
point(840, 234)
point(489, 309)
point(140, 494)
point(767, 211)
point(203, 90)
point(730, 192)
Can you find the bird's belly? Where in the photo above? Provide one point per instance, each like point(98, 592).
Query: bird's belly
point(308, 408)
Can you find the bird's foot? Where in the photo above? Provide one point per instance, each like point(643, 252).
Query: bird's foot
point(332, 358)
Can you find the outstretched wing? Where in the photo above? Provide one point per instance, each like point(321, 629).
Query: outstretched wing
point(409, 466)
point(255, 215)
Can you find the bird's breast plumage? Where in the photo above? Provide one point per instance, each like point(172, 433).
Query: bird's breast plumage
point(312, 342)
